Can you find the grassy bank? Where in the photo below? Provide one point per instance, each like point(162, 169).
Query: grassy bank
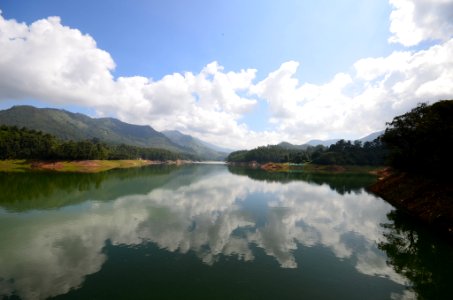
point(83, 166)
point(425, 199)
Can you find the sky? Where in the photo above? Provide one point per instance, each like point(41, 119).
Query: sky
point(238, 74)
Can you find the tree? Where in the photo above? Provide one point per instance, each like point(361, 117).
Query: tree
point(419, 140)
point(24, 143)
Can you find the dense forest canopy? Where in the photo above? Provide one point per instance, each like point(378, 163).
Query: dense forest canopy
point(411, 142)
point(419, 141)
point(68, 126)
point(22, 143)
point(273, 153)
point(341, 153)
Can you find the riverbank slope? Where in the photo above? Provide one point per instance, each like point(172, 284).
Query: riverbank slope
point(426, 199)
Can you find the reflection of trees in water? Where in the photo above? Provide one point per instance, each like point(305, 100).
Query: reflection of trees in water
point(196, 209)
point(420, 256)
point(341, 183)
point(44, 190)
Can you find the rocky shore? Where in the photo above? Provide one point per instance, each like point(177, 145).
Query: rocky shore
point(425, 199)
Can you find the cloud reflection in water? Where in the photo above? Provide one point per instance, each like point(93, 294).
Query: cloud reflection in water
point(47, 253)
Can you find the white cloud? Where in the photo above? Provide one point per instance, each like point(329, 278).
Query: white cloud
point(304, 111)
point(414, 21)
point(356, 104)
point(52, 62)
point(59, 65)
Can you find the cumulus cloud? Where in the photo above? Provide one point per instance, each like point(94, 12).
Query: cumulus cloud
point(56, 64)
point(60, 65)
point(360, 102)
point(414, 21)
point(49, 61)
point(303, 110)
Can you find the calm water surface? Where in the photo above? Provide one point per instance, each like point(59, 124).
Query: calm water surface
point(211, 232)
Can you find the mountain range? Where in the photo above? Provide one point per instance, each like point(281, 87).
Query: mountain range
point(76, 126)
point(197, 146)
point(327, 143)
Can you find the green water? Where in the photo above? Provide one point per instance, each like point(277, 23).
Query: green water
point(211, 232)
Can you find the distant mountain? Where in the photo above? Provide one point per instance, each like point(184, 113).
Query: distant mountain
point(290, 146)
point(372, 136)
point(76, 126)
point(325, 143)
point(197, 146)
point(216, 148)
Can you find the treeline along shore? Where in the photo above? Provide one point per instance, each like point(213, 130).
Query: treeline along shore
point(28, 149)
point(341, 153)
point(415, 148)
point(420, 180)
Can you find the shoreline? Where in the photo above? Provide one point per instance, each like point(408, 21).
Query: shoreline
point(79, 166)
point(312, 168)
point(424, 199)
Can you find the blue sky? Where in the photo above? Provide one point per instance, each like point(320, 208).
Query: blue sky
point(326, 58)
point(155, 38)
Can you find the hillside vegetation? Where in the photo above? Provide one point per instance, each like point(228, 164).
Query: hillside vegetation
point(420, 155)
point(419, 141)
point(341, 153)
point(23, 143)
point(195, 145)
point(69, 126)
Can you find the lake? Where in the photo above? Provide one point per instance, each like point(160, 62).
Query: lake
point(211, 232)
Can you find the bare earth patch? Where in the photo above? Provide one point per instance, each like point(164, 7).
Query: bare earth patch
point(47, 165)
point(81, 166)
point(426, 199)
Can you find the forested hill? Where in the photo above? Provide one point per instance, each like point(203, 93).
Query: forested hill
point(341, 153)
point(75, 126)
point(327, 143)
point(195, 145)
point(419, 153)
point(23, 143)
point(67, 126)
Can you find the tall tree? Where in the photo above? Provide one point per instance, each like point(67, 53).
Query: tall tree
point(419, 141)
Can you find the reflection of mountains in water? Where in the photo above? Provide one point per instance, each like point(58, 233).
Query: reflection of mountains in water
point(49, 190)
point(339, 182)
point(202, 211)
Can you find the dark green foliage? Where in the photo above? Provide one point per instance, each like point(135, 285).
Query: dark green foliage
point(413, 139)
point(130, 152)
point(50, 190)
point(79, 127)
point(270, 153)
point(82, 150)
point(341, 183)
point(69, 126)
point(418, 255)
point(23, 143)
point(237, 156)
point(341, 153)
point(348, 153)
